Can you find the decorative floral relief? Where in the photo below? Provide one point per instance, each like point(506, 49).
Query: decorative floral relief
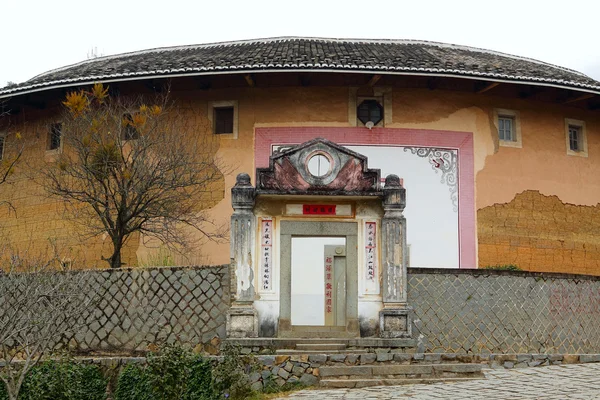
point(281, 148)
point(444, 160)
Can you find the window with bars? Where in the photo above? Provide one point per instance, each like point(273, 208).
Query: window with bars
point(55, 136)
point(575, 138)
point(369, 110)
point(506, 128)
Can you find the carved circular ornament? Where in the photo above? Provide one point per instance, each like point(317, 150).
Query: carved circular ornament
point(319, 165)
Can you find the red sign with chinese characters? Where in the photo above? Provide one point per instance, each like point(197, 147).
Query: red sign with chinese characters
point(328, 285)
point(318, 209)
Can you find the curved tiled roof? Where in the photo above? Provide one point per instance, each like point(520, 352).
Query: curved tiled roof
point(312, 54)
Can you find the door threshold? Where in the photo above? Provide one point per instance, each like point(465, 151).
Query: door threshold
point(317, 328)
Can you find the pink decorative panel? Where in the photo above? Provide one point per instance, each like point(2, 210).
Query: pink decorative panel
point(265, 138)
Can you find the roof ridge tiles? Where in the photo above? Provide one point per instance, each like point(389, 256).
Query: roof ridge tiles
point(298, 38)
point(320, 54)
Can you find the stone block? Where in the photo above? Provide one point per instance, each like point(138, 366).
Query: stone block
point(588, 358)
point(298, 370)
point(337, 358)
point(524, 357)
point(241, 322)
point(395, 323)
point(351, 359)
point(457, 368)
point(280, 381)
point(380, 350)
point(401, 357)
point(309, 380)
point(368, 358)
point(266, 360)
point(341, 371)
point(433, 357)
point(256, 386)
point(283, 373)
point(317, 358)
point(413, 369)
point(281, 359)
point(570, 359)
point(265, 374)
point(255, 376)
point(381, 357)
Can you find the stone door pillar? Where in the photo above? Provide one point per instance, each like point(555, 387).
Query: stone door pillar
point(395, 318)
point(242, 319)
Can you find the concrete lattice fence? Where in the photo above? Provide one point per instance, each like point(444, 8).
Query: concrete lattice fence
point(455, 311)
point(482, 311)
point(133, 308)
point(138, 307)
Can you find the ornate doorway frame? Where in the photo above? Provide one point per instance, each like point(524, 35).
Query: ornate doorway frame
point(290, 229)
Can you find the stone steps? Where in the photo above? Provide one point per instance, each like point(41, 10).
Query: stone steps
point(360, 383)
point(377, 375)
point(322, 347)
point(290, 352)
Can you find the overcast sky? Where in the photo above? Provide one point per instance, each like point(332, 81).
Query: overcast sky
point(39, 35)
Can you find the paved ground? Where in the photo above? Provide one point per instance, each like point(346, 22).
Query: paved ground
point(580, 381)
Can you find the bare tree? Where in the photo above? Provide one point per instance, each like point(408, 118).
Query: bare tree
point(132, 166)
point(39, 306)
point(11, 150)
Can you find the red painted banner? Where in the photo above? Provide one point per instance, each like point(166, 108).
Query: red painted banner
point(318, 209)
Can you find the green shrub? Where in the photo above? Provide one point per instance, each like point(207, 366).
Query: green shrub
point(62, 380)
point(200, 381)
point(230, 377)
point(171, 374)
point(133, 384)
point(507, 267)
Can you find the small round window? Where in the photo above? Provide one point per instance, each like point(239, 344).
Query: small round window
point(319, 165)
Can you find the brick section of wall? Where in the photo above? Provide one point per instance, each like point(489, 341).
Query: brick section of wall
point(478, 311)
point(138, 307)
point(540, 233)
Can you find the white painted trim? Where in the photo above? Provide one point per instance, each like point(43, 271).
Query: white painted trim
point(581, 124)
point(516, 116)
point(429, 72)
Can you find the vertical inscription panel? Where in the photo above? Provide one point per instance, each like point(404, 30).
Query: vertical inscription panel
point(266, 255)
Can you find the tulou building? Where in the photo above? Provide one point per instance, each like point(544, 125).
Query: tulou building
point(349, 162)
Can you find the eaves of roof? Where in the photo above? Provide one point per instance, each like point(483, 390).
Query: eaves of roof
point(395, 57)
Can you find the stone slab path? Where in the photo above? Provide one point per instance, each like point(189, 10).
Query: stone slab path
point(580, 381)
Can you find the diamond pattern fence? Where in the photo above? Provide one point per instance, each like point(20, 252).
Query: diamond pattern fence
point(502, 312)
point(136, 307)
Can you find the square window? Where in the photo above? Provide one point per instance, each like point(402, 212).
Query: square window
point(575, 137)
point(55, 136)
point(128, 131)
point(223, 120)
point(509, 127)
point(506, 128)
